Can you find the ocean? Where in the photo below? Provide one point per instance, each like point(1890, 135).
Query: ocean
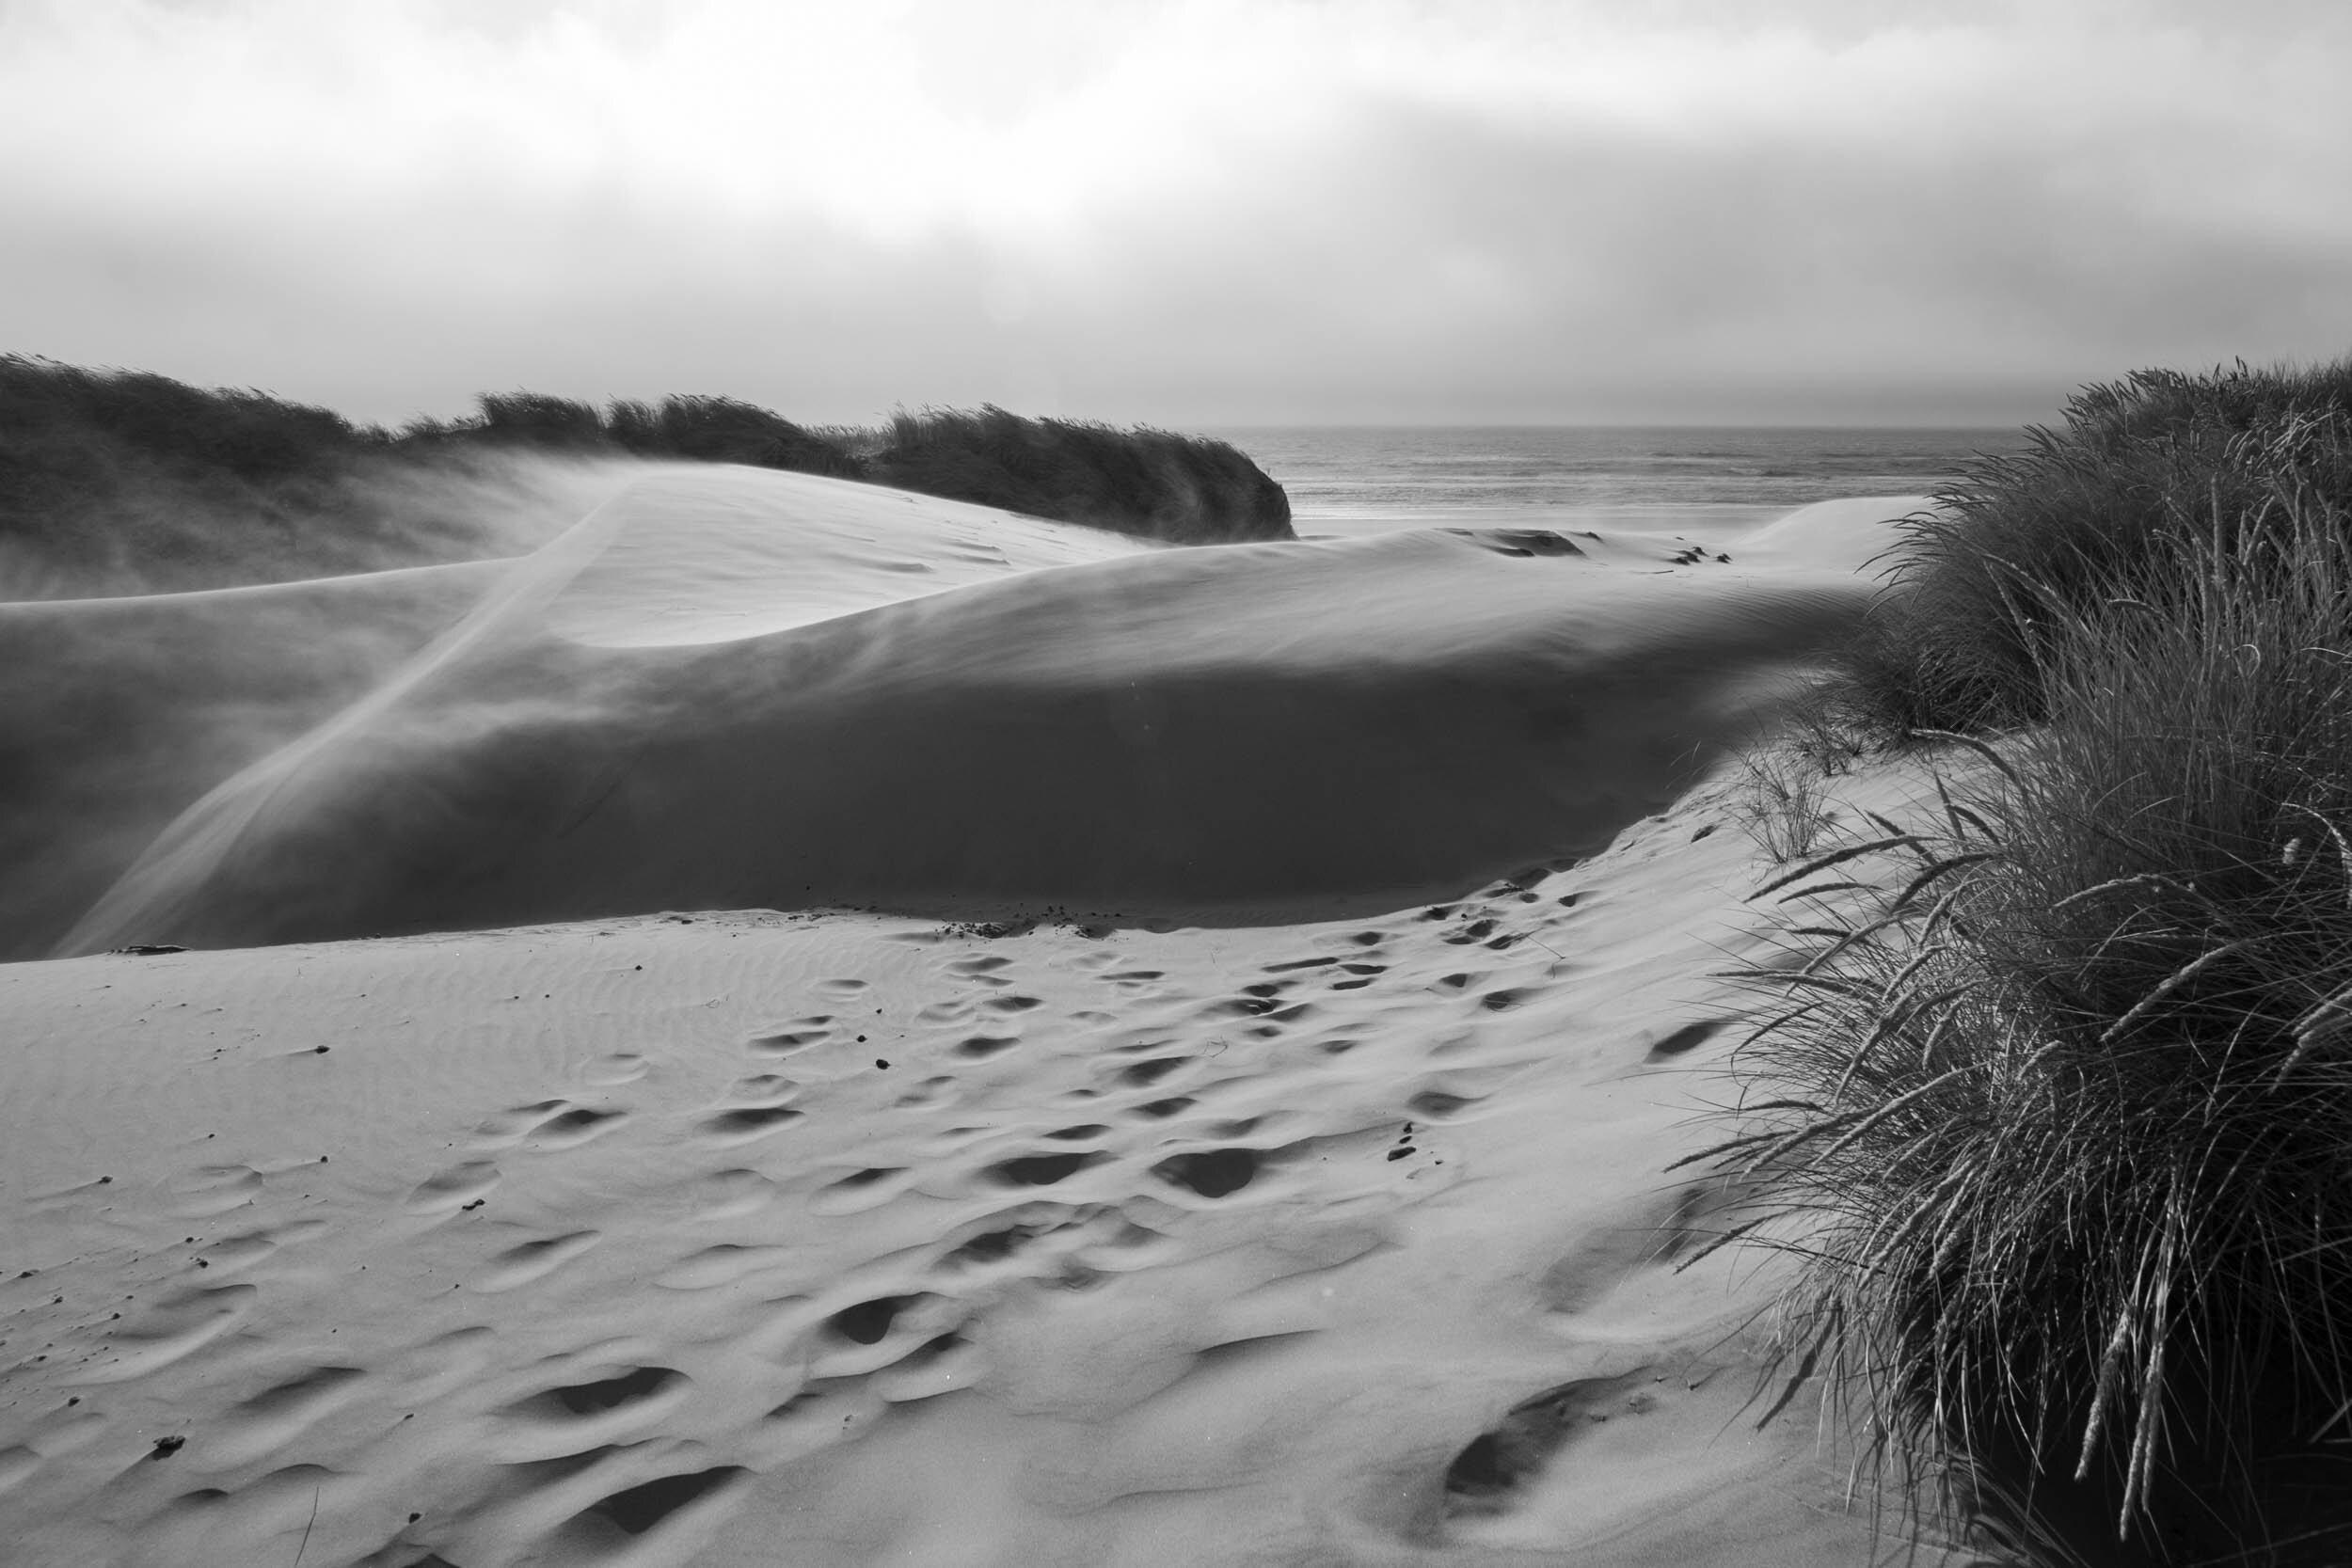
point(1345, 479)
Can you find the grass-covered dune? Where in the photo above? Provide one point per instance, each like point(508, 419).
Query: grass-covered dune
point(2021, 545)
point(123, 481)
point(2057, 1101)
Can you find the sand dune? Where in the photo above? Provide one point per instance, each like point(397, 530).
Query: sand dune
point(1233, 733)
point(120, 714)
point(728, 1238)
point(845, 1240)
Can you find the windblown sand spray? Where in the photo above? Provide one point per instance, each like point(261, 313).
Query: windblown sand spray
point(523, 684)
point(126, 711)
point(1159, 735)
point(159, 893)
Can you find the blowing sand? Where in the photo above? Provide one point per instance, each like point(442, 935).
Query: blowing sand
point(1278, 1177)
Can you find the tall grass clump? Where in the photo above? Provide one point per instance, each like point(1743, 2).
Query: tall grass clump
point(1185, 489)
point(1985, 579)
point(2060, 1119)
point(128, 482)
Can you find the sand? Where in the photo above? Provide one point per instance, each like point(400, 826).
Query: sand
point(1278, 1177)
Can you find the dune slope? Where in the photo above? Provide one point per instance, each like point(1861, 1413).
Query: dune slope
point(667, 709)
point(846, 1240)
point(120, 714)
point(745, 1238)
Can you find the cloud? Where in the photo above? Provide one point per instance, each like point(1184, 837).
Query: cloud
point(1186, 213)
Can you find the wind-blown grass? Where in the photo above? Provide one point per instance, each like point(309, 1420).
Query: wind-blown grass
point(1184, 489)
point(1984, 579)
point(2061, 1119)
point(125, 482)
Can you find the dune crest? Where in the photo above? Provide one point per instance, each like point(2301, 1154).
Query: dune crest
point(685, 704)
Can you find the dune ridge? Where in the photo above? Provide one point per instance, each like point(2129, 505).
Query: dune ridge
point(1066, 721)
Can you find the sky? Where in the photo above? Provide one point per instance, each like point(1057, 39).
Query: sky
point(1194, 213)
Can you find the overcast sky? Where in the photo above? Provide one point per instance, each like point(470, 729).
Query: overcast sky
point(1191, 212)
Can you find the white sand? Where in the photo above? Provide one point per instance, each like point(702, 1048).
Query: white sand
point(848, 1239)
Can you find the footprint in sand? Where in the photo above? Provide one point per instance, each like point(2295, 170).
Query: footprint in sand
point(940, 1364)
point(656, 1521)
point(546, 1124)
point(231, 1254)
point(721, 1264)
point(510, 1124)
point(1686, 1039)
point(209, 1525)
point(522, 1264)
point(1210, 1172)
point(825, 1410)
point(731, 1194)
point(16, 1464)
point(211, 1190)
point(978, 1047)
point(570, 1128)
point(176, 1327)
point(272, 1419)
point(553, 1432)
point(460, 1187)
point(1010, 1004)
point(937, 1090)
point(1151, 1070)
point(599, 1409)
point(745, 1123)
point(883, 1331)
point(1490, 1474)
point(1042, 1170)
point(1009, 1232)
point(798, 1037)
point(622, 1067)
point(1649, 1239)
point(1438, 1104)
point(860, 1190)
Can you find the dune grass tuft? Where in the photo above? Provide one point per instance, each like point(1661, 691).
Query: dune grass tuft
point(2084, 512)
point(127, 482)
point(2060, 1117)
point(1185, 489)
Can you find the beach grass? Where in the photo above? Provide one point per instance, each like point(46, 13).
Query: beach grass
point(2053, 1094)
point(127, 482)
point(1185, 489)
point(2085, 512)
